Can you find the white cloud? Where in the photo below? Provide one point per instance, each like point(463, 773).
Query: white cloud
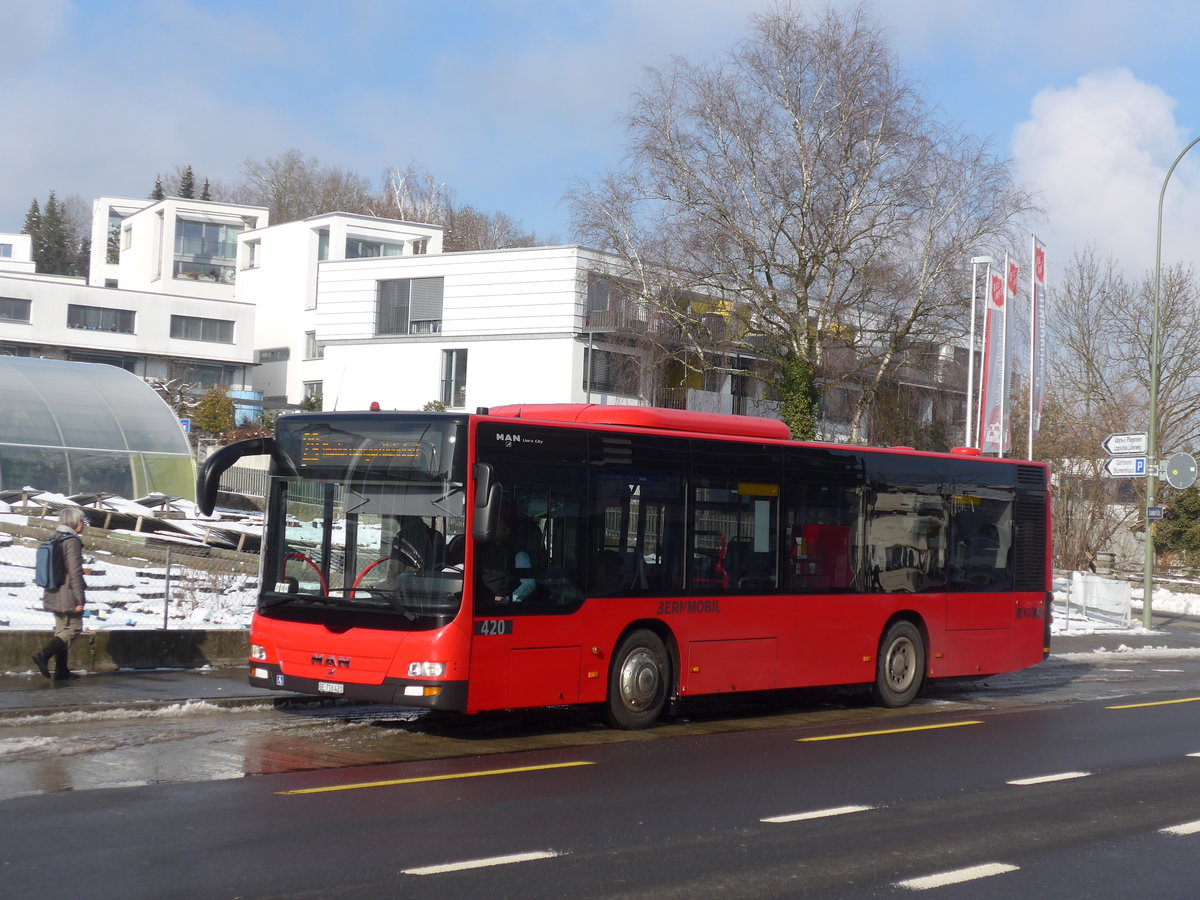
point(1097, 152)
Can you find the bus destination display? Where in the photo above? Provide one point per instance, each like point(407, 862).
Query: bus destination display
point(322, 448)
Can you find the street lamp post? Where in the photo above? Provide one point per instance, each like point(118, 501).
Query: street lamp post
point(976, 261)
point(1152, 431)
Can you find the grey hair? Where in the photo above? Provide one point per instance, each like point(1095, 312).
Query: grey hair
point(71, 516)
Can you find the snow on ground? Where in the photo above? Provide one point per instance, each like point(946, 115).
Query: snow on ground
point(131, 593)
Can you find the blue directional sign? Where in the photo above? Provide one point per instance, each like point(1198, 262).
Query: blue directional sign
point(186, 425)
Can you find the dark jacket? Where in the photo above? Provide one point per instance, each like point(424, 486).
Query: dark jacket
point(71, 593)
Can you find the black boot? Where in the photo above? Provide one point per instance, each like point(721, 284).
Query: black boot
point(42, 659)
point(61, 672)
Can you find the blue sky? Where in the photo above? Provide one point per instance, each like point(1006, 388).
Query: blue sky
point(509, 101)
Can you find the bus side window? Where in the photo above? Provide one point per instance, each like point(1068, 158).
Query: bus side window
point(821, 548)
point(637, 527)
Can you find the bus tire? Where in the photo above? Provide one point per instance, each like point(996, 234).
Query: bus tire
point(900, 665)
point(638, 681)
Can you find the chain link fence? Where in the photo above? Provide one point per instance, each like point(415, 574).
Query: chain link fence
point(135, 581)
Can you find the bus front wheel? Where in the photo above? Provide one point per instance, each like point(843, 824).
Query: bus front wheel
point(900, 665)
point(638, 681)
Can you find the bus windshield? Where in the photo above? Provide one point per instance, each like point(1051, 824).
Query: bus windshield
point(379, 546)
point(370, 522)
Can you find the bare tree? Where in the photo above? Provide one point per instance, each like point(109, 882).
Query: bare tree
point(1100, 376)
point(803, 182)
point(293, 186)
point(413, 195)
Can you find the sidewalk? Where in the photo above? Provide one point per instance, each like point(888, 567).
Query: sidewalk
point(131, 689)
point(148, 689)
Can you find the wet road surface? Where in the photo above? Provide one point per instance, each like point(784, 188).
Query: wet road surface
point(196, 740)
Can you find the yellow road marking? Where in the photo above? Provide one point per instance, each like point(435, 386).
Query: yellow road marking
point(1156, 703)
point(858, 734)
point(375, 784)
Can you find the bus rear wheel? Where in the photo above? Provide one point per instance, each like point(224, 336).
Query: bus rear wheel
point(638, 681)
point(900, 665)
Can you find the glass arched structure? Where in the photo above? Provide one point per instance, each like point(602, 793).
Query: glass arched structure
point(77, 428)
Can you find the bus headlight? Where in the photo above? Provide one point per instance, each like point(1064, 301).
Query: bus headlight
point(257, 651)
point(426, 670)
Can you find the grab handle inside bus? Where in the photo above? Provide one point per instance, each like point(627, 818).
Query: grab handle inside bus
point(487, 504)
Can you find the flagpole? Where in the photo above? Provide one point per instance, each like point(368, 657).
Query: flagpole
point(1033, 332)
point(972, 425)
point(1003, 362)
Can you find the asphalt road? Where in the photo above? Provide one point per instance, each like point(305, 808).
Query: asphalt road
point(1059, 780)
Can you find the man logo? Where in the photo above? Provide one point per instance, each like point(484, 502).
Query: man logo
point(335, 662)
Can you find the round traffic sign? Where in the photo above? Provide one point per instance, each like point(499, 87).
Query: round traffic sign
point(1181, 470)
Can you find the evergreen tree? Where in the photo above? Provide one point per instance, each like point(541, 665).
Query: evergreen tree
point(158, 193)
point(33, 222)
point(204, 191)
point(54, 252)
point(187, 184)
point(83, 258)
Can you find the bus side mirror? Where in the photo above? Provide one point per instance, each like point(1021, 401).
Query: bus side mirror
point(487, 504)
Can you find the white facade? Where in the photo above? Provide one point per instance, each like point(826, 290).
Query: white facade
point(515, 317)
point(186, 247)
point(151, 335)
point(108, 214)
point(278, 273)
point(352, 308)
point(16, 253)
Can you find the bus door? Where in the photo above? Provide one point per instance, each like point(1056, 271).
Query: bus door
point(981, 610)
point(527, 585)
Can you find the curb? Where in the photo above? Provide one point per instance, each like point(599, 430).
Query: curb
point(110, 651)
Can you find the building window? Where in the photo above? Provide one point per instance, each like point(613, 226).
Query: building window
point(409, 306)
point(6, 251)
point(611, 373)
point(99, 318)
point(126, 237)
point(209, 376)
point(206, 251)
point(13, 309)
point(356, 248)
point(420, 247)
point(312, 394)
point(128, 363)
point(313, 350)
point(454, 379)
point(277, 354)
point(194, 328)
point(252, 248)
point(323, 245)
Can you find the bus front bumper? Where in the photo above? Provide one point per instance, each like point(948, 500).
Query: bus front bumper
point(444, 695)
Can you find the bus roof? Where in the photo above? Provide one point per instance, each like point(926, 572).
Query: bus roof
point(648, 417)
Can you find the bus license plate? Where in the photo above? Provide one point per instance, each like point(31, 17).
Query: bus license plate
point(330, 687)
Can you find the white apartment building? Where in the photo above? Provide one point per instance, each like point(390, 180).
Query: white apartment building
point(349, 308)
point(182, 247)
point(164, 311)
point(203, 342)
point(477, 329)
point(278, 271)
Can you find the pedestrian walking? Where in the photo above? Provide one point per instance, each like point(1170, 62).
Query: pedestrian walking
point(67, 600)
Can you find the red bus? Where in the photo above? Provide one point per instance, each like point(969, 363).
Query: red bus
point(541, 555)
